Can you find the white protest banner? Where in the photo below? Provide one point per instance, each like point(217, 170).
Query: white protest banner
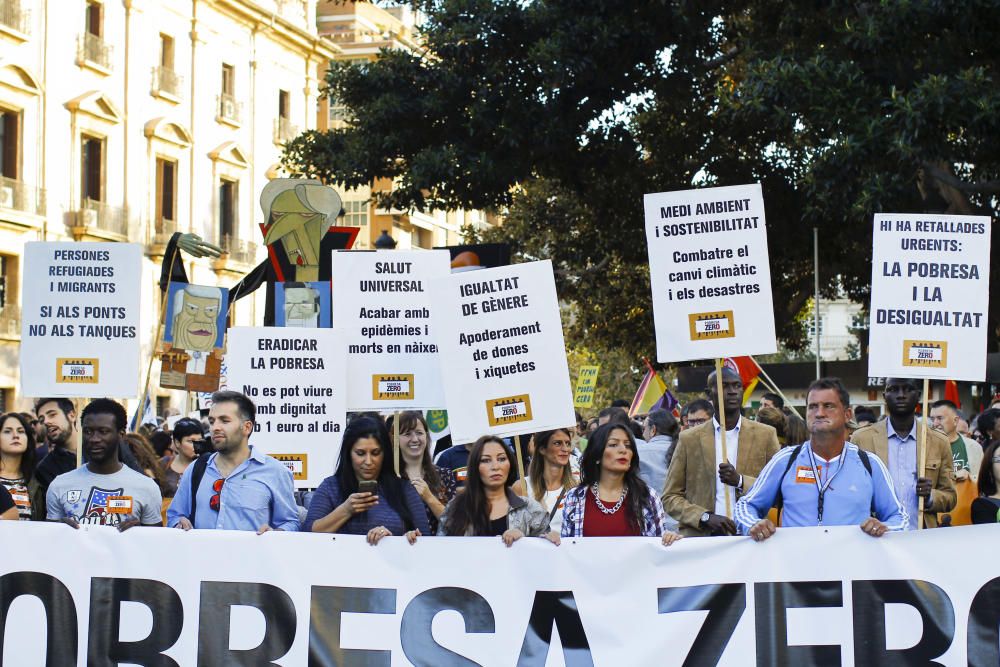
point(382, 305)
point(296, 379)
point(501, 335)
point(807, 596)
point(930, 295)
point(710, 273)
point(80, 321)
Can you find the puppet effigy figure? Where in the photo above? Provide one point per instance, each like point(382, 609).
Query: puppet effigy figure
point(299, 232)
point(192, 348)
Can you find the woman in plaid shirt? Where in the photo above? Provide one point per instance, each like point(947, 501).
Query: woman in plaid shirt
point(612, 500)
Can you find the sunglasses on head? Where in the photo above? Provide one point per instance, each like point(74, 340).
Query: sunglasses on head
point(216, 500)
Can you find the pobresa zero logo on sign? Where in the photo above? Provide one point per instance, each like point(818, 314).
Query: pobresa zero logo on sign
point(925, 353)
point(77, 371)
point(389, 387)
point(710, 326)
point(510, 410)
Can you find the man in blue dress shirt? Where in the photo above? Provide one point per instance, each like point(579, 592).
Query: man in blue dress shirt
point(241, 487)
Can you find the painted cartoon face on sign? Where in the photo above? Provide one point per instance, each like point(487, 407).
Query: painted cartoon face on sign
point(195, 326)
point(299, 214)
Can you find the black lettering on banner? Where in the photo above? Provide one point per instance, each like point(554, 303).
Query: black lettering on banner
point(326, 607)
point(983, 645)
point(104, 649)
point(772, 600)
point(415, 628)
point(60, 613)
point(215, 623)
point(936, 612)
point(725, 604)
point(557, 607)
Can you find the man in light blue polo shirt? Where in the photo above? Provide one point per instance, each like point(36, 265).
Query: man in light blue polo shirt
point(240, 487)
point(825, 482)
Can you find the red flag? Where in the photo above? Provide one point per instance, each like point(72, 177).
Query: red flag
point(951, 392)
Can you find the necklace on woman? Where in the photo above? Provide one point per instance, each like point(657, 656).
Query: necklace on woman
point(601, 506)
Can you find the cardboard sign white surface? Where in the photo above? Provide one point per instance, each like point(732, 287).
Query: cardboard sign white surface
point(382, 305)
point(80, 321)
point(930, 296)
point(295, 377)
point(505, 370)
point(709, 272)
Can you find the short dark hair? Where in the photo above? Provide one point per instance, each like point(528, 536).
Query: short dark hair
point(831, 383)
point(64, 404)
point(700, 405)
point(864, 414)
point(616, 415)
point(620, 403)
point(775, 399)
point(184, 427)
point(987, 421)
point(106, 406)
point(664, 422)
point(244, 406)
point(945, 403)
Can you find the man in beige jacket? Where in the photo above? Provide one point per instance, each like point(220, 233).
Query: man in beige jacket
point(699, 480)
point(895, 441)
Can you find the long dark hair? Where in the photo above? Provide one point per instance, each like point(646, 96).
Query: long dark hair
point(536, 469)
point(408, 420)
point(391, 487)
point(29, 460)
point(590, 472)
point(471, 507)
point(987, 482)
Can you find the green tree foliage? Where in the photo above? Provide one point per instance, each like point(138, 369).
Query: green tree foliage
point(564, 113)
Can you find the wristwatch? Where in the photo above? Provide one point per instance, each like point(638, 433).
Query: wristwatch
point(704, 518)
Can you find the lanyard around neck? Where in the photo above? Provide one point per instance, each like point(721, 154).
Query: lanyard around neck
point(822, 489)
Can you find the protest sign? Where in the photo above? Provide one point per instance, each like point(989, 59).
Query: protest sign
point(930, 294)
point(586, 384)
point(501, 333)
point(80, 322)
point(194, 337)
point(710, 273)
point(381, 304)
point(808, 596)
point(296, 379)
point(304, 305)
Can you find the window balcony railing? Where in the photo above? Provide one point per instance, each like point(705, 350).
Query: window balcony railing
point(14, 17)
point(284, 131)
point(93, 49)
point(238, 250)
point(18, 196)
point(229, 109)
point(103, 217)
point(166, 80)
point(10, 320)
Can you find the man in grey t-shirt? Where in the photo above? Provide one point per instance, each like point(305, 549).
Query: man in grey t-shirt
point(104, 492)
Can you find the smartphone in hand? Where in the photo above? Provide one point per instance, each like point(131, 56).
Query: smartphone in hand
point(368, 486)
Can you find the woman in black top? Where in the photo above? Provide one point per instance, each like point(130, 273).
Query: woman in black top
point(986, 508)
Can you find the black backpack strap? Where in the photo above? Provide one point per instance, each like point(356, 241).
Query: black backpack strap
point(200, 465)
point(867, 463)
point(555, 505)
point(779, 501)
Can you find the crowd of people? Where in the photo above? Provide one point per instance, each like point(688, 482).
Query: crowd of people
point(664, 475)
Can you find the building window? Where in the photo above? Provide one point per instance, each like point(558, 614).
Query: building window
point(166, 52)
point(812, 326)
point(94, 18)
point(355, 213)
point(92, 168)
point(5, 267)
point(10, 143)
point(284, 103)
point(5, 394)
point(228, 80)
point(227, 209)
point(166, 193)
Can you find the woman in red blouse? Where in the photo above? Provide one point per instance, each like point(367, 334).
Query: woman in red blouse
point(612, 500)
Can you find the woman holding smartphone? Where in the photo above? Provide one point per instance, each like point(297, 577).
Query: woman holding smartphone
point(364, 496)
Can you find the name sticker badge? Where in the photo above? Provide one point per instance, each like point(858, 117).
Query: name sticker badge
point(925, 353)
point(77, 371)
point(804, 475)
point(509, 410)
point(119, 504)
point(297, 464)
point(711, 326)
point(389, 387)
